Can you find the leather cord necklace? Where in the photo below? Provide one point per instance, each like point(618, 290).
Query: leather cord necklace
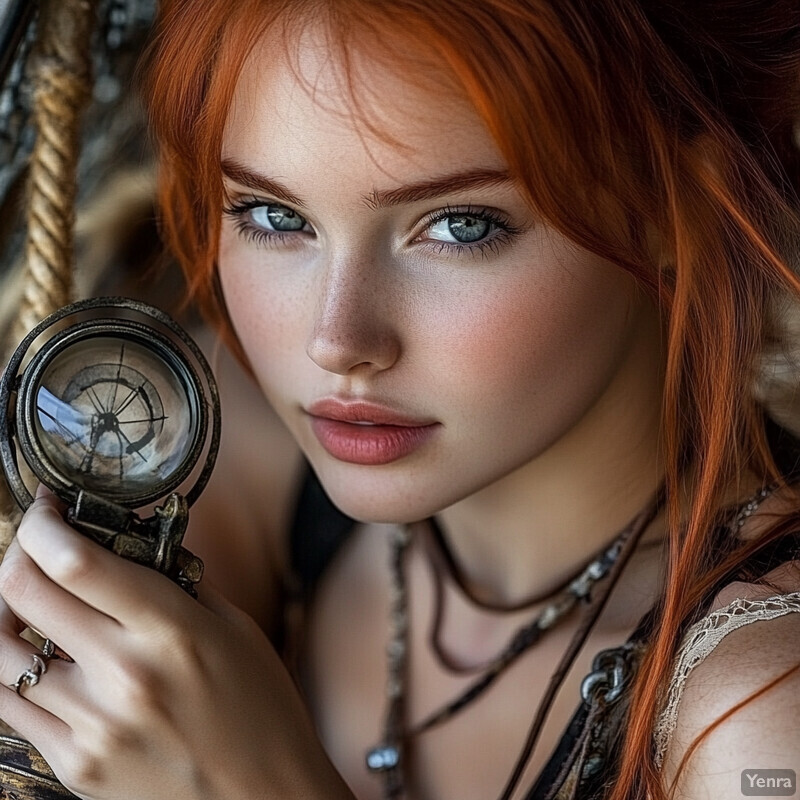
point(444, 565)
point(387, 758)
point(443, 555)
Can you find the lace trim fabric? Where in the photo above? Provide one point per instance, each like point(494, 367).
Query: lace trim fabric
point(700, 639)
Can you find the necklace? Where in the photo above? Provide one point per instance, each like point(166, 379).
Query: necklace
point(443, 555)
point(749, 508)
point(387, 758)
point(576, 587)
point(565, 596)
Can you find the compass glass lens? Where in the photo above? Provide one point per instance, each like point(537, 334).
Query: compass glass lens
point(114, 417)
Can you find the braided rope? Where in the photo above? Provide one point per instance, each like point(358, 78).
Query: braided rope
point(62, 85)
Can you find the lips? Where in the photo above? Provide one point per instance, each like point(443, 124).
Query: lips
point(360, 432)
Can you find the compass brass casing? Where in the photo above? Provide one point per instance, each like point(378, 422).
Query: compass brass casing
point(90, 420)
point(121, 406)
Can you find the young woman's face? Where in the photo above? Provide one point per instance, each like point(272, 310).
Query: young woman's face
point(418, 330)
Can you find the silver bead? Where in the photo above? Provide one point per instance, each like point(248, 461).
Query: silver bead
point(547, 618)
point(595, 570)
point(396, 649)
point(382, 758)
point(591, 766)
point(581, 585)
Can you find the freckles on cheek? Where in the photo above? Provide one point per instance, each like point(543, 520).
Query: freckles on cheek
point(264, 313)
point(269, 324)
point(526, 339)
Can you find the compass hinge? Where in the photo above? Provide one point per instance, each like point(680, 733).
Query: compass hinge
point(154, 542)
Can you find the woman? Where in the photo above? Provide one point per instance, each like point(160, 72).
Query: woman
point(503, 272)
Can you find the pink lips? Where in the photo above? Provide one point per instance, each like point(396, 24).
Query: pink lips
point(360, 432)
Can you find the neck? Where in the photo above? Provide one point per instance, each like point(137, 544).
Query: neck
point(528, 532)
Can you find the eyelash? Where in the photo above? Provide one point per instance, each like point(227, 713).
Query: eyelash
point(502, 229)
point(237, 212)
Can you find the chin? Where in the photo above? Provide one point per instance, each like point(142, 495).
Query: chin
point(374, 494)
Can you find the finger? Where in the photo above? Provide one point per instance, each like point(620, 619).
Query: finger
point(62, 692)
point(28, 711)
point(41, 604)
point(214, 601)
point(52, 737)
point(211, 598)
point(45, 494)
point(127, 592)
point(10, 624)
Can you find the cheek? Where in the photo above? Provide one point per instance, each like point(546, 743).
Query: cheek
point(539, 344)
point(267, 316)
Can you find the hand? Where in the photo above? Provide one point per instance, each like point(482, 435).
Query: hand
point(166, 697)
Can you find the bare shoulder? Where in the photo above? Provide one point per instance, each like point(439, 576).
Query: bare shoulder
point(761, 647)
point(239, 524)
point(761, 734)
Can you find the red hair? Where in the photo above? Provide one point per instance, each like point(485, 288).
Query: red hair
point(672, 117)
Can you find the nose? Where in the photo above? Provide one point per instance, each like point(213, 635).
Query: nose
point(353, 329)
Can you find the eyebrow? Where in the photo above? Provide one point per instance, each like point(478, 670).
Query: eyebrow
point(411, 193)
point(447, 184)
point(253, 180)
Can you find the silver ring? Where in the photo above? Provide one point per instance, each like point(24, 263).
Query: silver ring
point(50, 652)
point(30, 677)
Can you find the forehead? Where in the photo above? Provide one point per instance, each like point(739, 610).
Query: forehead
point(299, 93)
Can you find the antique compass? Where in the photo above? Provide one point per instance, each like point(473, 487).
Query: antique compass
point(114, 408)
